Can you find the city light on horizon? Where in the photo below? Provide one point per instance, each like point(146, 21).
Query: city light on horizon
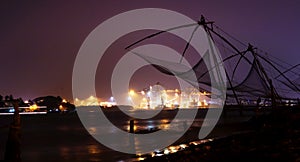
point(156, 96)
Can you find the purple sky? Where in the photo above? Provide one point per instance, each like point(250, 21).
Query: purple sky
point(40, 40)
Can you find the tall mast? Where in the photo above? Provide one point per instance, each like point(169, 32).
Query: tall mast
point(266, 78)
point(204, 23)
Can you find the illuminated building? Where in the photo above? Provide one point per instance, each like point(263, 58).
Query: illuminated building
point(158, 96)
point(155, 97)
point(90, 101)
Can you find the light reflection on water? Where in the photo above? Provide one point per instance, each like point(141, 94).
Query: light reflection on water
point(161, 124)
point(69, 153)
point(93, 149)
point(64, 152)
point(52, 137)
point(144, 126)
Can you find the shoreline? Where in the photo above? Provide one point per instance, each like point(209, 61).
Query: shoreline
point(272, 137)
point(62, 136)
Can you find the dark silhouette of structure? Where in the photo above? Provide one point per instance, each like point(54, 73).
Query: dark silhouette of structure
point(13, 145)
point(265, 77)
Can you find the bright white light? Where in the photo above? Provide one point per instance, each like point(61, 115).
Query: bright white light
point(166, 152)
point(111, 98)
point(183, 146)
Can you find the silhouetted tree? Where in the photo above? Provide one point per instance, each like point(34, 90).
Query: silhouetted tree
point(6, 98)
point(59, 99)
point(30, 102)
point(53, 103)
point(21, 102)
point(1, 101)
point(11, 98)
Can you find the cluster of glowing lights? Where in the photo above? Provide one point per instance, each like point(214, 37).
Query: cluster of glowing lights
point(172, 98)
point(174, 149)
point(94, 101)
point(33, 107)
point(90, 101)
point(169, 150)
point(107, 104)
point(153, 98)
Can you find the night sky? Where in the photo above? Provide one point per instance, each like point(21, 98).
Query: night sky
point(39, 40)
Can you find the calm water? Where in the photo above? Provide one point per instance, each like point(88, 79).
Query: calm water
point(62, 137)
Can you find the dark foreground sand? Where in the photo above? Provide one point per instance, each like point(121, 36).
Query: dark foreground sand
point(272, 137)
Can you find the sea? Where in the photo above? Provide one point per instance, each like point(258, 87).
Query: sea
point(63, 137)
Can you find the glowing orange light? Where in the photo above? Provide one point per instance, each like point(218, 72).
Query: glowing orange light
point(33, 107)
point(131, 92)
point(61, 107)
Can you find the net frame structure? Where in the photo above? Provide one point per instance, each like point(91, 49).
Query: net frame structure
point(266, 77)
